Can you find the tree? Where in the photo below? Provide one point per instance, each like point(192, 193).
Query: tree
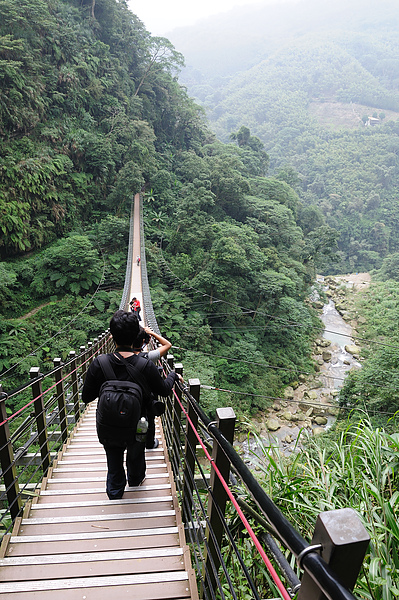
point(71, 265)
point(161, 57)
point(390, 267)
point(8, 278)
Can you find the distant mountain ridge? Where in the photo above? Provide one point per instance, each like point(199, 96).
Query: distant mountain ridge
point(240, 38)
point(308, 80)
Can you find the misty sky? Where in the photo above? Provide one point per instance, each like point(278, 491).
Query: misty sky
point(161, 16)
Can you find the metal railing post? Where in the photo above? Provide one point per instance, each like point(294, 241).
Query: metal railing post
point(109, 342)
point(83, 364)
point(61, 399)
point(75, 385)
point(217, 497)
point(190, 447)
point(8, 467)
point(170, 359)
point(174, 422)
point(343, 543)
point(90, 352)
point(40, 417)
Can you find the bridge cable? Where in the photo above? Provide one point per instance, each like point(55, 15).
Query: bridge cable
point(287, 322)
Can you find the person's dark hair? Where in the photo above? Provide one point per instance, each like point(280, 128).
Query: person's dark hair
point(124, 327)
point(142, 338)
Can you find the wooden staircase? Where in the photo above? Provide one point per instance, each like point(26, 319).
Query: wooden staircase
point(75, 542)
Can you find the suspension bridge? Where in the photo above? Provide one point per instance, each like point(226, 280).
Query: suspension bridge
point(168, 538)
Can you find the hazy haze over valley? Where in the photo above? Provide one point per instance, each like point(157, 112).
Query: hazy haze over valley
point(318, 83)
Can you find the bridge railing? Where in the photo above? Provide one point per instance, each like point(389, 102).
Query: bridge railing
point(31, 437)
point(220, 497)
point(129, 263)
point(222, 503)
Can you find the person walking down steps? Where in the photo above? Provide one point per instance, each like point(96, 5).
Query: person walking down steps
point(123, 383)
point(135, 307)
point(157, 407)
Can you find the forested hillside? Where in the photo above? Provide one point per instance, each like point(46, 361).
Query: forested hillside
point(306, 80)
point(91, 112)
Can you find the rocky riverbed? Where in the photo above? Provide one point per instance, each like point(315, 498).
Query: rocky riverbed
point(311, 403)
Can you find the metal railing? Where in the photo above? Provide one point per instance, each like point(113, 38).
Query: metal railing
point(31, 437)
point(209, 509)
point(222, 503)
point(129, 262)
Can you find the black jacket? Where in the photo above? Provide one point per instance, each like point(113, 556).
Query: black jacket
point(95, 377)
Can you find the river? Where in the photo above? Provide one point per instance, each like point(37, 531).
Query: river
point(316, 397)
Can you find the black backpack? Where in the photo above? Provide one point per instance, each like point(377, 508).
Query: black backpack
point(120, 403)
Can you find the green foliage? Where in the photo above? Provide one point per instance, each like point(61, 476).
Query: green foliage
point(71, 265)
point(112, 233)
point(390, 267)
point(307, 93)
point(87, 93)
point(7, 278)
point(107, 118)
point(375, 386)
point(359, 470)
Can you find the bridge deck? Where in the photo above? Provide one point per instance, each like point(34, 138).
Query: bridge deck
point(72, 538)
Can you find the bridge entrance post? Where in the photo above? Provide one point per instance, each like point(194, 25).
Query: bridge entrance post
point(8, 467)
point(217, 499)
point(190, 449)
point(40, 416)
point(343, 542)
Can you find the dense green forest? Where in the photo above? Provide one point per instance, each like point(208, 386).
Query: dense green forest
point(306, 81)
point(91, 112)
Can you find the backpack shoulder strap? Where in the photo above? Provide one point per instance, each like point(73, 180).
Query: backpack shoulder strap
point(136, 371)
point(106, 367)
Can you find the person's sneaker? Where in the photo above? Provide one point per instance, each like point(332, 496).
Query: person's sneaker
point(154, 445)
point(137, 484)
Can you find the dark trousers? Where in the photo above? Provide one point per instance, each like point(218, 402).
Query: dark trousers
point(135, 466)
point(150, 439)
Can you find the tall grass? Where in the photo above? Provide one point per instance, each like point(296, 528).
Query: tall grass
point(358, 470)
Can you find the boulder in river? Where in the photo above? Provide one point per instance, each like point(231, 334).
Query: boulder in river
point(324, 343)
point(287, 415)
point(272, 424)
point(352, 349)
point(288, 392)
point(318, 430)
